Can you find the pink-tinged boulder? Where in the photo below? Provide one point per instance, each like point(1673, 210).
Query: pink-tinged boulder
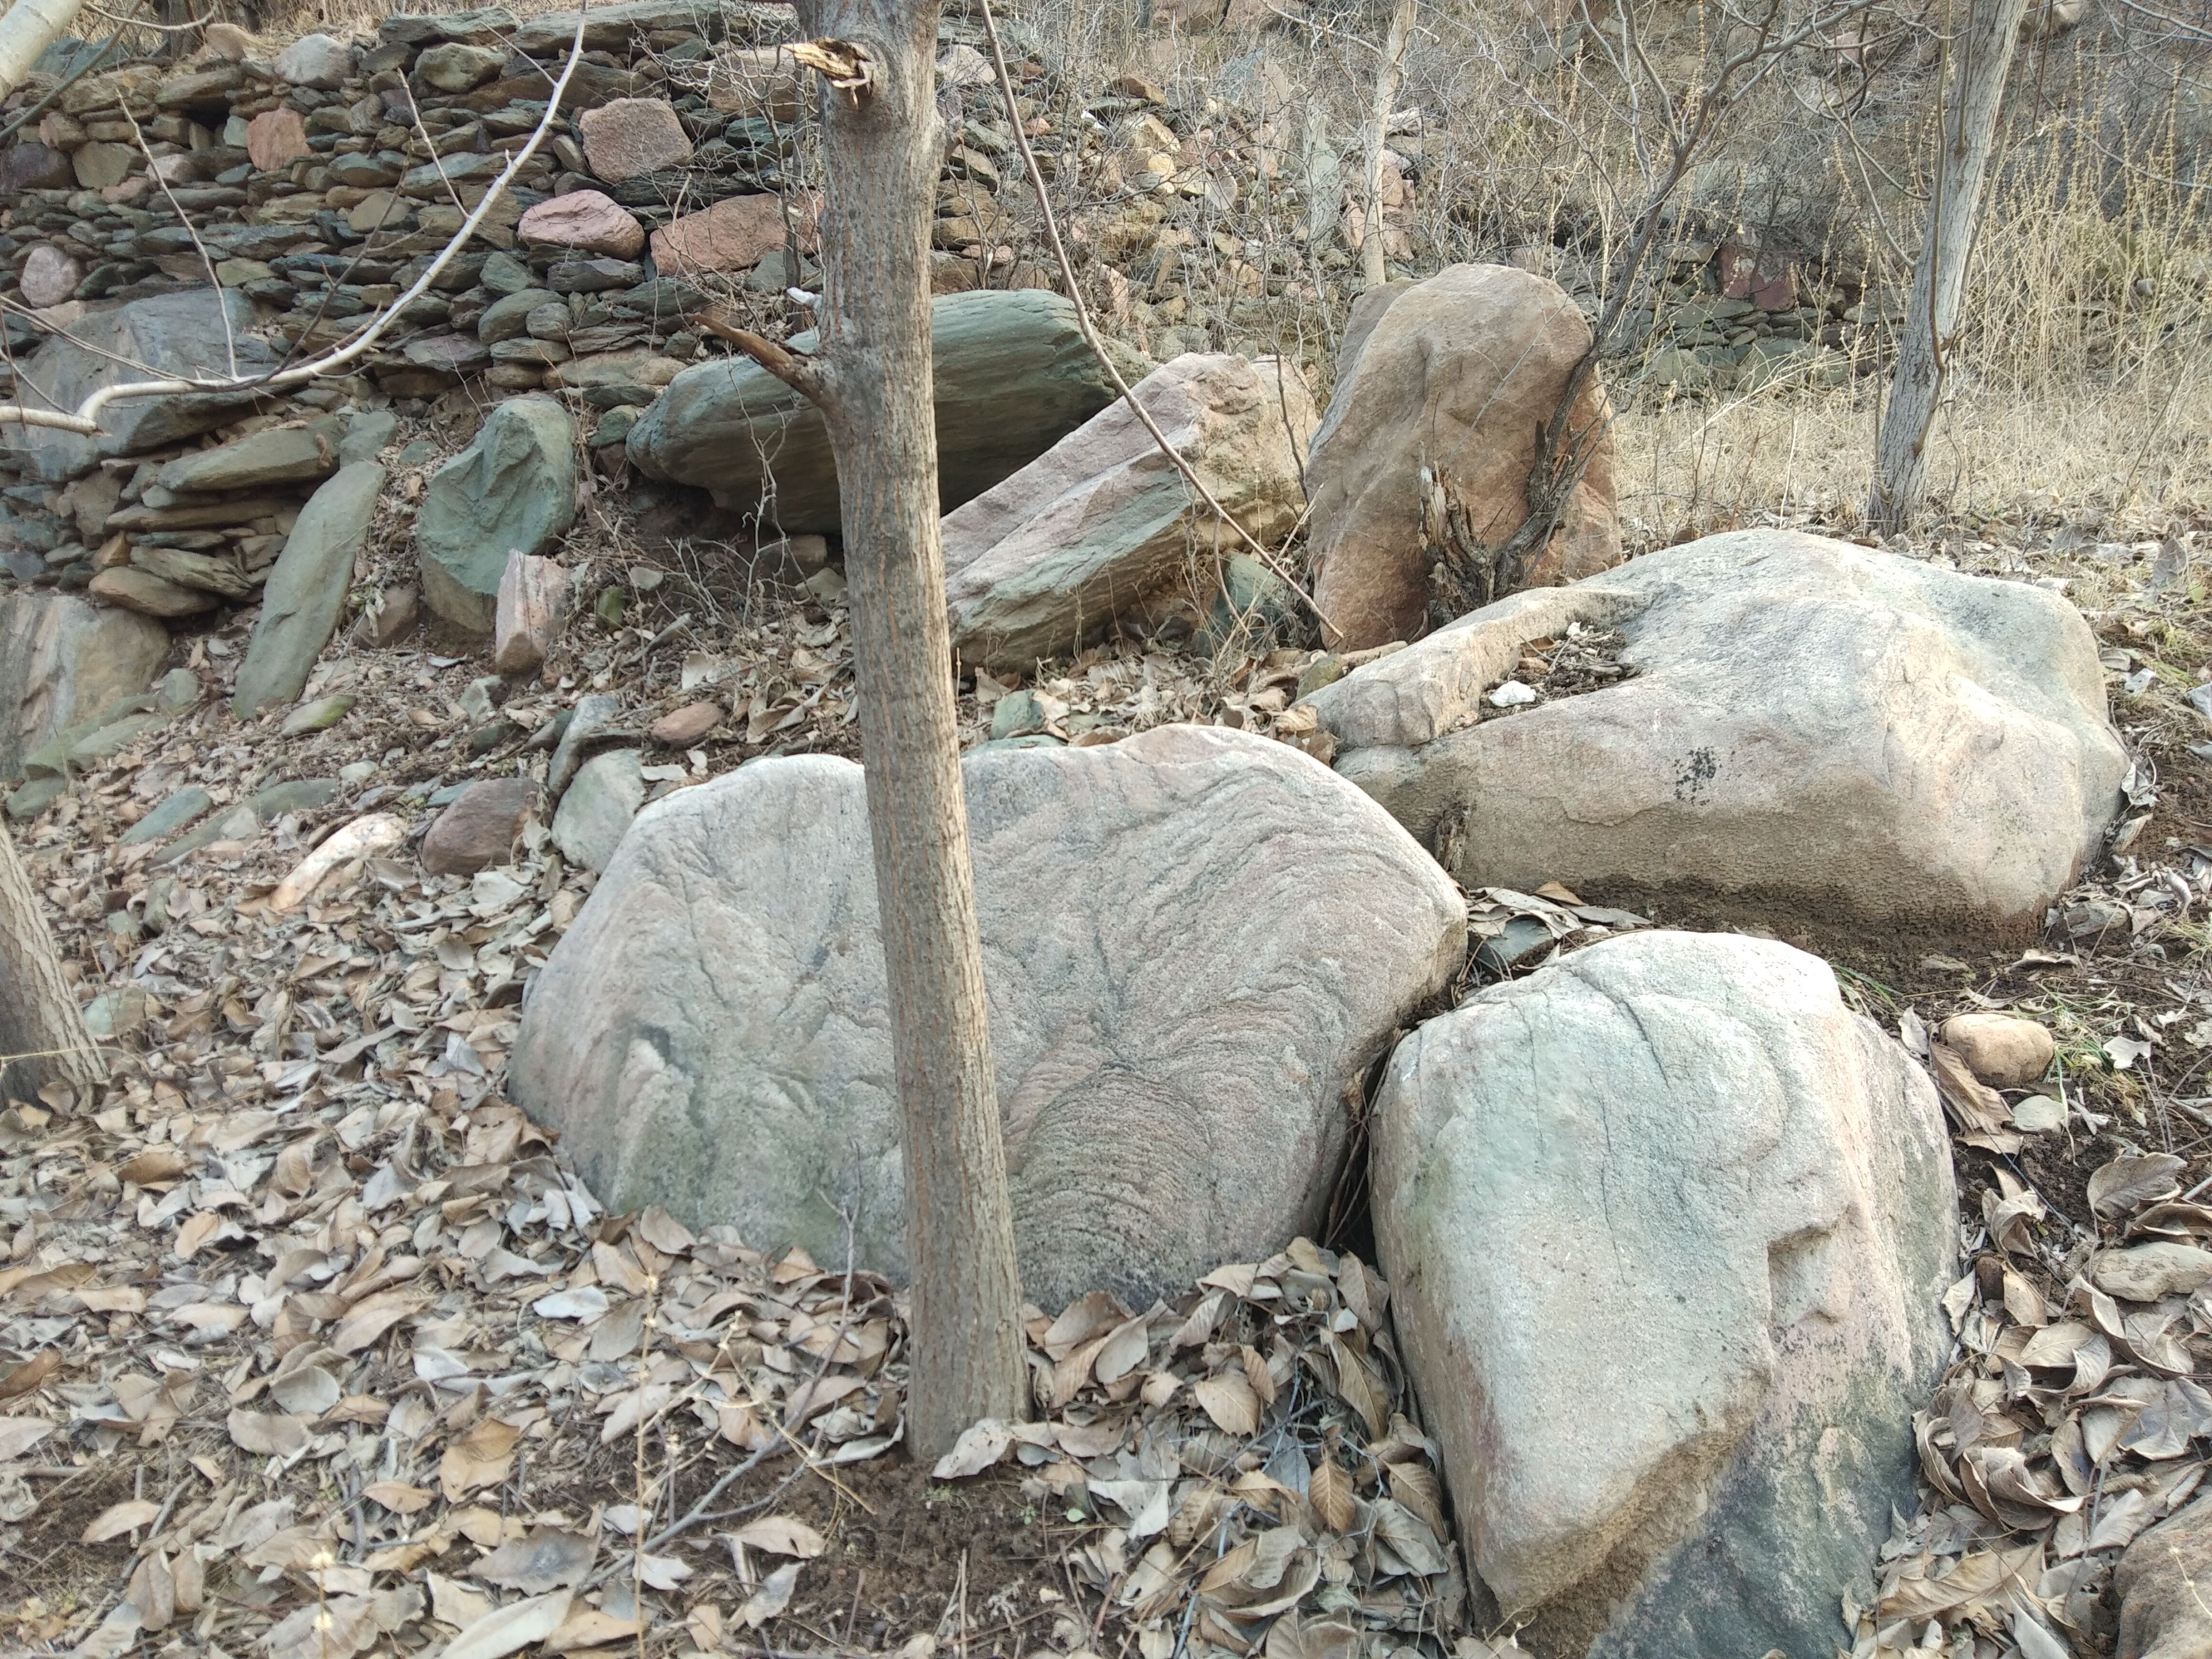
point(1683, 1147)
point(276, 137)
point(50, 276)
point(1441, 388)
point(533, 596)
point(632, 137)
point(735, 234)
point(584, 219)
point(2161, 1583)
point(759, 81)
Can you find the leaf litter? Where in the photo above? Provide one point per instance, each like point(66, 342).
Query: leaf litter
point(330, 1353)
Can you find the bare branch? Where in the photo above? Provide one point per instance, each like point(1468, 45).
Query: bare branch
point(802, 374)
point(85, 419)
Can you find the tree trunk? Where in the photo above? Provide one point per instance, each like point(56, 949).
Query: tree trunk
point(881, 145)
point(42, 1034)
point(1982, 59)
point(29, 28)
point(1387, 74)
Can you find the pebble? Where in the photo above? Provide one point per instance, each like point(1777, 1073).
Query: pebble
point(1512, 695)
point(2002, 1050)
point(685, 725)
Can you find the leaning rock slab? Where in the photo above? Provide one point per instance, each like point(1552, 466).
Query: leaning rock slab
point(1668, 1226)
point(179, 334)
point(1102, 527)
point(1449, 383)
point(1813, 730)
point(512, 490)
point(307, 589)
point(1191, 940)
point(62, 663)
point(1013, 377)
point(280, 456)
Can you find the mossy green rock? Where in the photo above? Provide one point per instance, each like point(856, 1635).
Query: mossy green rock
point(306, 590)
point(513, 489)
point(1012, 375)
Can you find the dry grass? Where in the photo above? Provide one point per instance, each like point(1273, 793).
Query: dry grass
point(2079, 391)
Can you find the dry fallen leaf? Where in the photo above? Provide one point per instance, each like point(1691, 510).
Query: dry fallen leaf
point(512, 1628)
point(773, 1596)
point(980, 1445)
point(783, 1534)
point(117, 1519)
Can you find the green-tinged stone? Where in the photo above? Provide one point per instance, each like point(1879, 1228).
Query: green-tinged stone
point(513, 489)
point(116, 1014)
point(34, 796)
point(1016, 713)
point(318, 715)
point(299, 795)
point(171, 816)
point(307, 589)
point(612, 603)
point(1012, 376)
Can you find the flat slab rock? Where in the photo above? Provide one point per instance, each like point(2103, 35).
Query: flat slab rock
point(1812, 731)
point(1669, 1227)
point(1012, 376)
point(1102, 528)
point(1191, 939)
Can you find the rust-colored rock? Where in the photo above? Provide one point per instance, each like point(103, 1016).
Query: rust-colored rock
point(735, 234)
point(275, 137)
point(478, 829)
point(632, 137)
point(390, 619)
point(585, 219)
point(686, 725)
point(533, 595)
point(1453, 375)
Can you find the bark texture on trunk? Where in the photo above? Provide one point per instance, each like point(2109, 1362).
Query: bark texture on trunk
point(1981, 63)
point(39, 1016)
point(29, 28)
point(1387, 74)
point(882, 142)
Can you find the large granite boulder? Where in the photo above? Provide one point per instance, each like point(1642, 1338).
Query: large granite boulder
point(1013, 377)
point(1192, 940)
point(1668, 1226)
point(1440, 390)
point(1809, 730)
point(63, 662)
point(307, 589)
point(1103, 527)
point(178, 334)
point(514, 489)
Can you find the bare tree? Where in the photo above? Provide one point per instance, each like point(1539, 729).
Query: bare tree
point(1669, 127)
point(1981, 62)
point(1387, 74)
point(42, 1033)
point(881, 144)
point(27, 29)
